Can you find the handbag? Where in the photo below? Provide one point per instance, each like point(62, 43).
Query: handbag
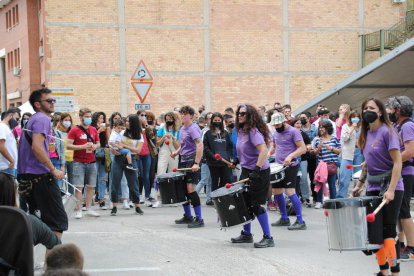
point(332, 168)
point(100, 155)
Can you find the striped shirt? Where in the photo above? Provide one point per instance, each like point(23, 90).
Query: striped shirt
point(327, 155)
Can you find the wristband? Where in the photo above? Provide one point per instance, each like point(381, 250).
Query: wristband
point(257, 168)
point(196, 163)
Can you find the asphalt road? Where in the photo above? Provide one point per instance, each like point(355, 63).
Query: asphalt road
point(152, 244)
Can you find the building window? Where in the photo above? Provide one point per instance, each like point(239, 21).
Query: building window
point(12, 105)
point(12, 17)
point(7, 20)
point(17, 58)
point(11, 60)
point(8, 62)
point(18, 104)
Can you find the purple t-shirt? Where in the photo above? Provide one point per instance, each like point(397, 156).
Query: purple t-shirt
point(28, 163)
point(247, 151)
point(376, 151)
point(187, 137)
point(407, 134)
point(285, 143)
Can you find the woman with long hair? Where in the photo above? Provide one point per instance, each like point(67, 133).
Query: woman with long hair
point(217, 141)
point(133, 141)
point(252, 152)
point(169, 131)
point(351, 154)
point(344, 111)
point(98, 122)
point(381, 144)
point(64, 126)
point(57, 148)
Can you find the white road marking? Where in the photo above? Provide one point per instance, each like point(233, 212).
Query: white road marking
point(123, 269)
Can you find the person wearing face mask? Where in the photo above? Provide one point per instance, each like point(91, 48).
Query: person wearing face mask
point(171, 132)
point(351, 154)
point(57, 149)
point(252, 152)
point(381, 145)
point(202, 111)
point(64, 126)
point(84, 140)
point(288, 145)
point(217, 141)
point(8, 144)
point(25, 118)
point(401, 108)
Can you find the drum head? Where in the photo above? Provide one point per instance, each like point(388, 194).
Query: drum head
point(171, 175)
point(276, 167)
point(356, 175)
point(224, 191)
point(353, 201)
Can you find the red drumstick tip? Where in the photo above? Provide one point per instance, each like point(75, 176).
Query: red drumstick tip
point(175, 169)
point(217, 156)
point(167, 142)
point(371, 217)
point(349, 166)
point(228, 185)
point(326, 212)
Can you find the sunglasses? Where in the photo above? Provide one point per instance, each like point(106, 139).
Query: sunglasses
point(142, 115)
point(49, 101)
point(321, 105)
point(241, 114)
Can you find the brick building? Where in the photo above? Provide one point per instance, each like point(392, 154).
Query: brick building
point(212, 52)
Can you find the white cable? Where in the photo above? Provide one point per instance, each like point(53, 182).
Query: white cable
point(71, 185)
point(55, 138)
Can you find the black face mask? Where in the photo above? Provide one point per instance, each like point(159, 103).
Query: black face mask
point(150, 123)
point(217, 124)
point(241, 125)
point(303, 121)
point(393, 117)
point(280, 129)
point(200, 111)
point(230, 125)
point(13, 123)
point(370, 116)
point(169, 123)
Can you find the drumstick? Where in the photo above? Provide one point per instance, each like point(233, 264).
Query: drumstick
point(228, 185)
point(71, 185)
point(357, 193)
point(185, 169)
point(371, 217)
point(218, 157)
point(352, 166)
point(168, 145)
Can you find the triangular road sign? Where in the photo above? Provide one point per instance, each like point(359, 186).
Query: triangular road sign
point(142, 89)
point(141, 73)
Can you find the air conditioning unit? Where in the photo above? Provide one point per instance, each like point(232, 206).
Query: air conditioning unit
point(398, 1)
point(41, 51)
point(16, 71)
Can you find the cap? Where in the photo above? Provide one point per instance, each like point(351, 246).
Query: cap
point(278, 118)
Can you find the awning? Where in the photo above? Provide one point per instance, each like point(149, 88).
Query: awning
point(390, 75)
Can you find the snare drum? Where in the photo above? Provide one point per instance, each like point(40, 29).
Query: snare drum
point(173, 188)
point(277, 172)
point(231, 206)
point(347, 224)
point(69, 202)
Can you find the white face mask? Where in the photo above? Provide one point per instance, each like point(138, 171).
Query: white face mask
point(66, 124)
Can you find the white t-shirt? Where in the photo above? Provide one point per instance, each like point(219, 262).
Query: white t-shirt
point(115, 137)
point(131, 142)
point(10, 144)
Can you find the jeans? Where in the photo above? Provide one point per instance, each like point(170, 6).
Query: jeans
point(69, 172)
point(10, 171)
point(102, 177)
point(304, 186)
point(124, 151)
point(56, 163)
point(332, 188)
point(205, 180)
point(118, 168)
point(145, 160)
point(345, 175)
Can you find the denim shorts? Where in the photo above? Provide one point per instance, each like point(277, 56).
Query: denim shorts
point(84, 174)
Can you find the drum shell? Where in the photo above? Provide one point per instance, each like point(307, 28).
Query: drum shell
point(69, 202)
point(173, 188)
point(348, 229)
point(277, 173)
point(232, 208)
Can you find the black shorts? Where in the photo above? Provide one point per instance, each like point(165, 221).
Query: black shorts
point(289, 181)
point(405, 204)
point(190, 176)
point(258, 189)
point(47, 198)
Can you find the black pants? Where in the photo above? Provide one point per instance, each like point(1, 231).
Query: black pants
point(311, 171)
point(220, 176)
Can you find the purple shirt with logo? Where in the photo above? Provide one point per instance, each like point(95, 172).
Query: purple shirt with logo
point(28, 163)
point(376, 152)
point(285, 143)
point(407, 134)
point(246, 148)
point(187, 137)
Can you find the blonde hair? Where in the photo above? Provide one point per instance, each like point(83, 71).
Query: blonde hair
point(348, 110)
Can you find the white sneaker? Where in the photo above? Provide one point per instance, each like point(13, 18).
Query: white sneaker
point(126, 205)
point(78, 214)
point(318, 205)
point(148, 203)
point(92, 213)
point(157, 204)
point(141, 199)
point(39, 265)
point(111, 205)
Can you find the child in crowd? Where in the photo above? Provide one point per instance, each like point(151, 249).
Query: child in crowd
point(115, 142)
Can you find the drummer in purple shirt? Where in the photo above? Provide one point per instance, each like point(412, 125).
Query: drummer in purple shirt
point(288, 143)
point(380, 144)
point(190, 151)
point(252, 152)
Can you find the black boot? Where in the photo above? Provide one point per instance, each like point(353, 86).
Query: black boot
point(197, 223)
point(184, 220)
point(243, 238)
point(265, 242)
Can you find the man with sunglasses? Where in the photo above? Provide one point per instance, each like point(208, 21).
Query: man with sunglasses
point(35, 170)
